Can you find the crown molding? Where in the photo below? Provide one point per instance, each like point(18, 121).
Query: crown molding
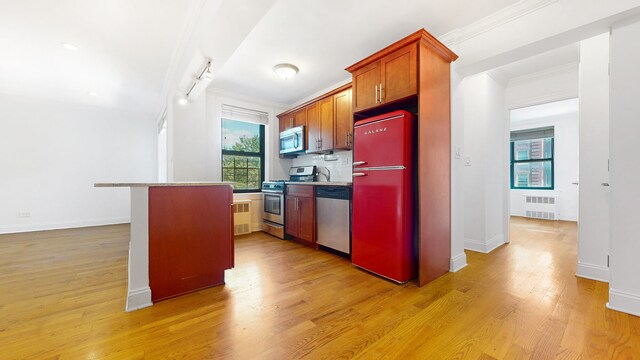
point(498, 18)
point(193, 17)
point(499, 77)
point(560, 69)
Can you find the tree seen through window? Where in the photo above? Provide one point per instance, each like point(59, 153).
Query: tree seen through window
point(243, 154)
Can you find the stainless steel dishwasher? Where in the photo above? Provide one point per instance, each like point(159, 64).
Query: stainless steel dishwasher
point(333, 214)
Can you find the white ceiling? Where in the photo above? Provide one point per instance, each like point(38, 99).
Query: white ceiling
point(125, 48)
point(324, 37)
point(569, 54)
point(555, 108)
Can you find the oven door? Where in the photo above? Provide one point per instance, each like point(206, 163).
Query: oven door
point(273, 207)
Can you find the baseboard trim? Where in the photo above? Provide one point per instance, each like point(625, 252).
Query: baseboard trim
point(482, 246)
point(593, 272)
point(138, 299)
point(11, 229)
point(458, 262)
point(624, 302)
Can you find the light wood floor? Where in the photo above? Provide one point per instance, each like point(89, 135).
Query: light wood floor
point(62, 295)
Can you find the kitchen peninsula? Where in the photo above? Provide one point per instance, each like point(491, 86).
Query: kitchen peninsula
point(181, 238)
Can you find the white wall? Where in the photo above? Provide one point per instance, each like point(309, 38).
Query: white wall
point(624, 285)
point(52, 153)
point(191, 154)
point(340, 169)
point(195, 138)
point(554, 84)
point(458, 256)
point(593, 229)
point(485, 216)
point(565, 165)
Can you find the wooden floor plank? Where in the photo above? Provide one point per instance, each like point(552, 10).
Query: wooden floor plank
point(63, 294)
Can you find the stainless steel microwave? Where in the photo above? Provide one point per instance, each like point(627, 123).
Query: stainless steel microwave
point(293, 140)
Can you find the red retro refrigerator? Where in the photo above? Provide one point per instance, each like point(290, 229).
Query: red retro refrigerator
point(383, 222)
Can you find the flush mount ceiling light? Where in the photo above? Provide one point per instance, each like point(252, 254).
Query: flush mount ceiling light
point(69, 46)
point(92, 93)
point(285, 71)
point(183, 101)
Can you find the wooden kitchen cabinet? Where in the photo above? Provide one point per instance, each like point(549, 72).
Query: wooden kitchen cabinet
point(325, 117)
point(300, 218)
point(328, 119)
point(293, 119)
point(413, 74)
point(313, 128)
point(392, 77)
point(320, 126)
point(343, 120)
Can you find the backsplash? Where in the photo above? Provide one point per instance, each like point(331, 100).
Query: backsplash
point(340, 169)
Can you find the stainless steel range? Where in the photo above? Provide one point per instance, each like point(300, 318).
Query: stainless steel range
point(273, 198)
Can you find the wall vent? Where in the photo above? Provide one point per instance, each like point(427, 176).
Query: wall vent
point(541, 207)
point(242, 217)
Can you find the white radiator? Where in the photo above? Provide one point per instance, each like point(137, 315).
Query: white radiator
point(241, 217)
point(541, 207)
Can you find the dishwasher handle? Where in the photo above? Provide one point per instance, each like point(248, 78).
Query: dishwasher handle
point(333, 192)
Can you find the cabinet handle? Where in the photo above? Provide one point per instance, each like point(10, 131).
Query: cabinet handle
point(346, 135)
point(376, 94)
point(358, 174)
point(319, 143)
point(291, 122)
point(381, 92)
point(298, 204)
point(356, 163)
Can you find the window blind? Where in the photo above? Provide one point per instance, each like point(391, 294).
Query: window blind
point(238, 113)
point(528, 134)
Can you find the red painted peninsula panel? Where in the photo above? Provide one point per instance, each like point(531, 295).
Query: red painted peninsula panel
point(190, 238)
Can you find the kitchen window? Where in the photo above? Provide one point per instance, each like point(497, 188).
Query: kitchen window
point(243, 154)
point(532, 166)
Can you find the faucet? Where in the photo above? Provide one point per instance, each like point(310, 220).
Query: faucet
point(327, 175)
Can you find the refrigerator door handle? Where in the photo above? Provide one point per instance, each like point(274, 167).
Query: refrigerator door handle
point(356, 163)
point(359, 174)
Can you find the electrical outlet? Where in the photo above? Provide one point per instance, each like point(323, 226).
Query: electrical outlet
point(24, 214)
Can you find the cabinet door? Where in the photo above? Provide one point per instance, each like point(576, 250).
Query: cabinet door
point(399, 74)
point(287, 121)
point(365, 87)
point(291, 217)
point(343, 116)
point(313, 128)
point(325, 113)
point(307, 216)
point(300, 118)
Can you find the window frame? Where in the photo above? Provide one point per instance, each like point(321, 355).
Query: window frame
point(551, 159)
point(260, 155)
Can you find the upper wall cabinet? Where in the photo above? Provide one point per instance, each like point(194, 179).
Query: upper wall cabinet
point(293, 119)
point(343, 120)
point(329, 121)
point(393, 77)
